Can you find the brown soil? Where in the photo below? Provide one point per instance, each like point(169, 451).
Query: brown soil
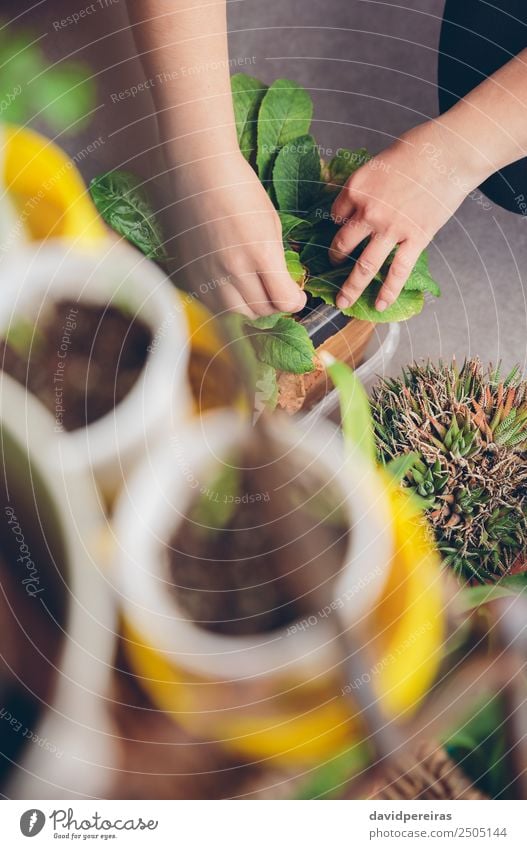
point(80, 360)
point(270, 563)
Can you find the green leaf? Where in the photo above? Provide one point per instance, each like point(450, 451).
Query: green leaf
point(420, 279)
point(471, 598)
point(264, 322)
point(265, 388)
point(217, 503)
point(260, 375)
point(296, 175)
point(285, 345)
point(124, 205)
point(247, 96)
point(285, 114)
point(399, 467)
point(68, 96)
point(23, 336)
point(345, 163)
point(295, 267)
point(321, 208)
point(294, 229)
point(327, 286)
point(328, 779)
point(480, 747)
point(62, 95)
point(407, 305)
point(315, 252)
point(357, 422)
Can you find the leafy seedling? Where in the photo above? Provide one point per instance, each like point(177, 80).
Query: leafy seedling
point(247, 96)
point(296, 175)
point(285, 114)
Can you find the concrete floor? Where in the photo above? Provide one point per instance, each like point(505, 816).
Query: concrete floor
point(371, 68)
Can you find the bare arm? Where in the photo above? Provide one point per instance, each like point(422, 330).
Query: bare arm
point(410, 190)
point(229, 228)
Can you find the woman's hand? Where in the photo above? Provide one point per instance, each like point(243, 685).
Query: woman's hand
point(229, 238)
point(400, 198)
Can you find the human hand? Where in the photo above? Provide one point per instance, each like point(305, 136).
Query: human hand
point(400, 198)
point(230, 238)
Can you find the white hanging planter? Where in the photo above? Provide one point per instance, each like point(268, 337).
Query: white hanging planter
point(76, 721)
point(159, 494)
point(110, 272)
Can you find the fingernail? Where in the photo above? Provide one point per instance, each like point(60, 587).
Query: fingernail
point(381, 305)
point(343, 302)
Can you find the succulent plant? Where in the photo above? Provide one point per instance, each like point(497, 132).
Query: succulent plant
point(467, 429)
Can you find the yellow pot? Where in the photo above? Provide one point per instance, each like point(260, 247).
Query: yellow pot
point(45, 189)
point(213, 377)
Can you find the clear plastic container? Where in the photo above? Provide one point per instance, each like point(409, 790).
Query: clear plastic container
point(379, 354)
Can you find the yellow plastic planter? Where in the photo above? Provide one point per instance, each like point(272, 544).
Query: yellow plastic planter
point(45, 189)
point(212, 373)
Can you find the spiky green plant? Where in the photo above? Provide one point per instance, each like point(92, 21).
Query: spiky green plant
point(468, 430)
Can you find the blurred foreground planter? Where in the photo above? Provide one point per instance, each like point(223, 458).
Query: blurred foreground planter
point(44, 194)
point(53, 721)
point(107, 275)
point(278, 694)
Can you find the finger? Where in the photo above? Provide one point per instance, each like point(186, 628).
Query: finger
point(233, 301)
point(346, 240)
point(365, 269)
point(405, 258)
point(254, 293)
point(285, 294)
point(343, 206)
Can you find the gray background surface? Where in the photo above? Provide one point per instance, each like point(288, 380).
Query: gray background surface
point(371, 68)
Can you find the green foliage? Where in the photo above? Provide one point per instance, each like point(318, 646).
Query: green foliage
point(23, 336)
point(480, 748)
point(471, 598)
point(420, 280)
point(296, 175)
point(265, 386)
point(328, 780)
point(217, 504)
point(294, 229)
point(123, 203)
point(285, 114)
point(247, 96)
point(357, 424)
point(295, 267)
point(345, 163)
point(62, 94)
point(327, 286)
point(269, 344)
point(303, 191)
point(283, 343)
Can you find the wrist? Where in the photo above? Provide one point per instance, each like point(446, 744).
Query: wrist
point(472, 150)
point(209, 169)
